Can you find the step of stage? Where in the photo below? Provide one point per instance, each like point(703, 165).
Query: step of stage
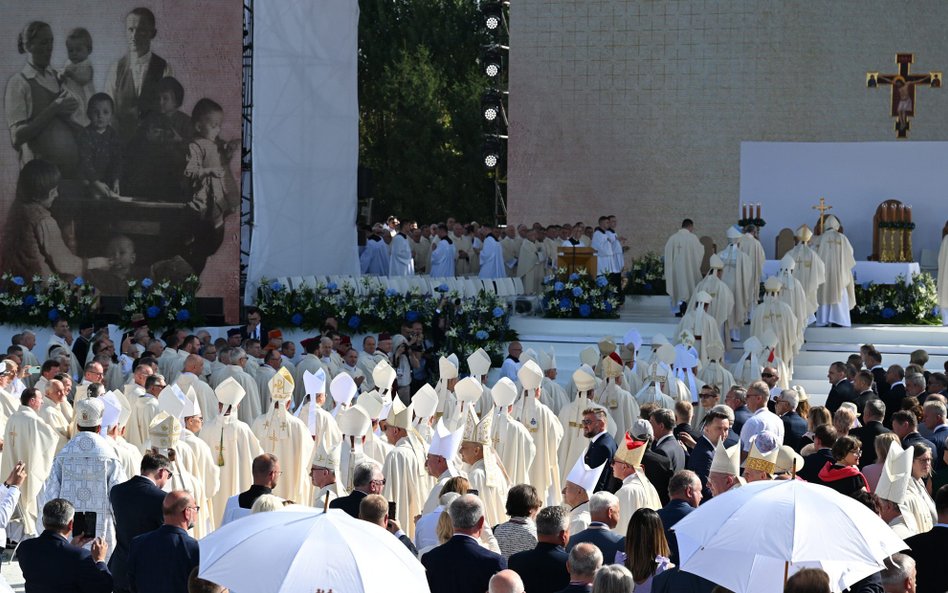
point(651, 315)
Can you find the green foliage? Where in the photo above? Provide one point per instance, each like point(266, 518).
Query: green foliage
point(419, 105)
point(646, 275)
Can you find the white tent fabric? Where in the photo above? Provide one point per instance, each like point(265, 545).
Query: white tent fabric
point(305, 139)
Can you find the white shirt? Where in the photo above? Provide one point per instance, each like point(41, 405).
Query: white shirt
point(763, 419)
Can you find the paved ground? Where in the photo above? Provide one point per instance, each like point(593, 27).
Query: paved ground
point(11, 573)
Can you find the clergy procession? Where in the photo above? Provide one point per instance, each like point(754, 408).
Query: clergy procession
point(492, 478)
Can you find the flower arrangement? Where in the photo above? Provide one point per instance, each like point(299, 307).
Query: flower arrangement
point(898, 304)
point(757, 222)
point(897, 224)
point(646, 275)
point(579, 295)
point(163, 303)
point(466, 323)
point(39, 301)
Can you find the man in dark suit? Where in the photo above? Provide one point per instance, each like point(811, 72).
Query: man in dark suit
point(794, 425)
point(602, 447)
point(684, 491)
point(736, 399)
point(658, 467)
point(934, 420)
point(137, 507)
point(52, 564)
point(928, 550)
point(824, 437)
point(584, 560)
point(895, 376)
point(543, 569)
point(604, 516)
point(161, 561)
point(878, 372)
point(663, 423)
point(717, 426)
point(461, 565)
point(905, 424)
point(862, 387)
point(684, 411)
point(842, 390)
point(254, 328)
point(367, 478)
point(872, 415)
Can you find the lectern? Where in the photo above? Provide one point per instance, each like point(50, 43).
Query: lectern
point(576, 258)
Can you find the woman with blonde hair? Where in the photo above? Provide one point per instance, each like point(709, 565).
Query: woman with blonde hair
point(646, 549)
point(818, 416)
point(873, 471)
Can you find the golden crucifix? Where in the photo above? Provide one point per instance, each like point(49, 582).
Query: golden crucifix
point(822, 208)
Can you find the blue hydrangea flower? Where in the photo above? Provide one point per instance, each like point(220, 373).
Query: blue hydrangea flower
point(411, 316)
point(608, 307)
point(565, 303)
point(19, 281)
point(888, 313)
point(865, 285)
point(183, 315)
point(390, 292)
point(648, 286)
point(147, 282)
point(577, 291)
point(442, 288)
point(78, 281)
point(152, 311)
point(53, 314)
point(498, 312)
point(547, 279)
point(276, 286)
point(573, 277)
point(558, 286)
point(297, 319)
point(332, 287)
point(29, 300)
point(481, 334)
point(354, 321)
point(585, 310)
point(601, 281)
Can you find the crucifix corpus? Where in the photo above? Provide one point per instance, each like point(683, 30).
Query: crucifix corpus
point(822, 208)
point(903, 90)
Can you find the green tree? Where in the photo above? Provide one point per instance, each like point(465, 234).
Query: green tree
point(420, 126)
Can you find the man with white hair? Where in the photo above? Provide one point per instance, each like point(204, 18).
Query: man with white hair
point(505, 581)
point(899, 574)
point(758, 394)
point(584, 560)
point(604, 515)
point(794, 425)
point(934, 420)
point(251, 405)
point(461, 565)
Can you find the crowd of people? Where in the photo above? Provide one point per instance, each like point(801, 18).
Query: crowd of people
point(519, 484)
point(452, 248)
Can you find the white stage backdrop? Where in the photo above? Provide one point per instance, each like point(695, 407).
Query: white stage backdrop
point(305, 139)
point(787, 178)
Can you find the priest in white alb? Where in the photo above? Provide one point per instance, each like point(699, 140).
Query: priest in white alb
point(443, 255)
point(530, 264)
point(406, 481)
point(943, 279)
point(636, 491)
point(29, 439)
point(484, 473)
point(580, 484)
point(793, 294)
point(203, 466)
point(701, 324)
point(809, 270)
point(621, 404)
point(400, 262)
point(440, 462)
point(738, 275)
point(552, 394)
point(544, 429)
point(354, 424)
point(190, 377)
point(722, 299)
point(165, 437)
point(753, 249)
point(321, 424)
point(491, 259)
point(324, 475)
point(683, 255)
point(775, 315)
point(511, 439)
point(287, 437)
point(233, 444)
point(478, 363)
point(715, 373)
point(837, 295)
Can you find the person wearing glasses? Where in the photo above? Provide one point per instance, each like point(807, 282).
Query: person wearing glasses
point(137, 506)
point(843, 475)
point(161, 561)
point(758, 394)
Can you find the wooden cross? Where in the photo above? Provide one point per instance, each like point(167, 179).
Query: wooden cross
point(903, 90)
point(822, 208)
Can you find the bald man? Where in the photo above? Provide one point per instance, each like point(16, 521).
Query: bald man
point(162, 560)
point(505, 581)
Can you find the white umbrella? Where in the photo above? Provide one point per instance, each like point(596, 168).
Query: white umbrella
point(752, 538)
point(302, 550)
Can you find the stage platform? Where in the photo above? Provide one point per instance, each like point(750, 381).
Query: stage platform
point(651, 315)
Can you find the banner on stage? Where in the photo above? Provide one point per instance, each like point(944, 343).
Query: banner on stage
point(136, 110)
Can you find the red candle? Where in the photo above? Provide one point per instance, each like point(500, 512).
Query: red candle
point(758, 210)
point(884, 215)
point(744, 211)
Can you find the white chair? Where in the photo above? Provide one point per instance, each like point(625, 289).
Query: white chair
point(517, 285)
